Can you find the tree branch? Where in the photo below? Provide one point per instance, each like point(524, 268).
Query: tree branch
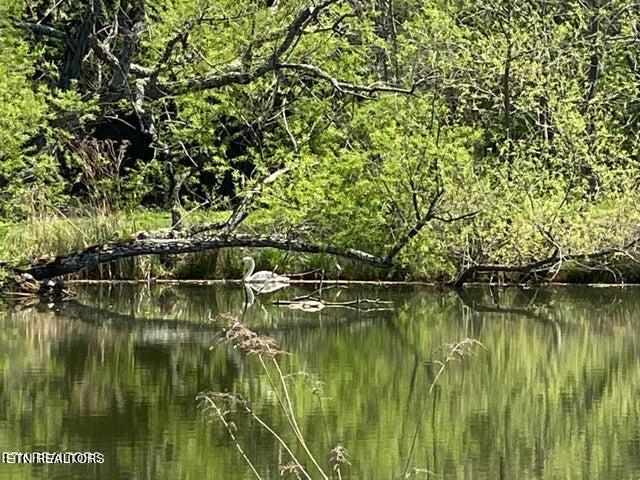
point(345, 87)
point(465, 275)
point(271, 64)
point(42, 30)
point(103, 52)
point(420, 223)
point(158, 89)
point(172, 243)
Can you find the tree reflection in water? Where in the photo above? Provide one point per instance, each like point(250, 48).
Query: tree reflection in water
point(117, 371)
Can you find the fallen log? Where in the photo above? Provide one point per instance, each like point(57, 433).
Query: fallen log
point(172, 243)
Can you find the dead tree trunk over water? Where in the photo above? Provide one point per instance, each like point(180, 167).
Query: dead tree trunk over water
point(173, 243)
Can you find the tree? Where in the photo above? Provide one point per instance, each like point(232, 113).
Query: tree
point(485, 133)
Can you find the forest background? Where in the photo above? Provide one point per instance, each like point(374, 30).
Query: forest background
point(456, 140)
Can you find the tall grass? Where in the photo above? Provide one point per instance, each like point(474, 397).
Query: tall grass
point(301, 461)
point(44, 235)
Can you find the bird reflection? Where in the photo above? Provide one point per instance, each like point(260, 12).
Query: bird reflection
point(253, 289)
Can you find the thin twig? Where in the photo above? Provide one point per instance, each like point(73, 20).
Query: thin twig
point(293, 420)
point(232, 435)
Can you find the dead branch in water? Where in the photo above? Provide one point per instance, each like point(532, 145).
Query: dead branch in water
point(601, 259)
point(335, 304)
point(534, 313)
point(315, 304)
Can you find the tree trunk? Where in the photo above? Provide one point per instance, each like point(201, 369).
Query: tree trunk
point(171, 243)
point(77, 50)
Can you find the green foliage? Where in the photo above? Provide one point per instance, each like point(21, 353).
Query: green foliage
point(22, 112)
point(524, 114)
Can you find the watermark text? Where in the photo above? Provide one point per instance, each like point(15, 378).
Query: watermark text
point(52, 457)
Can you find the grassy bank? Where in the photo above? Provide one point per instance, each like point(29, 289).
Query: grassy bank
point(45, 236)
point(427, 258)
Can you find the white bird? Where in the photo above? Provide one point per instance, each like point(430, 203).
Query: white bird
point(263, 276)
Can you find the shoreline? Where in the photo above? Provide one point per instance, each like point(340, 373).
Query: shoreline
point(169, 281)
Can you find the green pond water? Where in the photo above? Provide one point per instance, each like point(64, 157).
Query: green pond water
point(554, 393)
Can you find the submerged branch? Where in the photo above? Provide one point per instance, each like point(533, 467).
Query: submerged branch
point(534, 313)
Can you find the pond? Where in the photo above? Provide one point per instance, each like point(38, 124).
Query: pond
point(553, 392)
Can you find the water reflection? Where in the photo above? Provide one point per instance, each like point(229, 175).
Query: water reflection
point(117, 371)
point(253, 289)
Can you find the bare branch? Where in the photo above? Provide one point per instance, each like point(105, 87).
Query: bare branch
point(450, 219)
point(103, 52)
point(422, 221)
point(42, 30)
point(345, 87)
point(271, 64)
point(172, 243)
point(465, 275)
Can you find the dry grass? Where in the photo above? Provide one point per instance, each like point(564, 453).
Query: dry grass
point(221, 405)
point(45, 235)
point(250, 342)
